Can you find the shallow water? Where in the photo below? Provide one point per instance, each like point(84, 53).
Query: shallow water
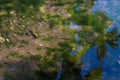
point(111, 9)
point(111, 62)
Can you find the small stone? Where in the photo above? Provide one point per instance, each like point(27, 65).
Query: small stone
point(2, 39)
point(12, 12)
point(47, 45)
point(3, 12)
point(7, 40)
point(41, 45)
point(23, 16)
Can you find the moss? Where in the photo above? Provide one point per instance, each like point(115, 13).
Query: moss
point(25, 42)
point(15, 54)
point(51, 50)
point(47, 38)
point(9, 44)
point(36, 57)
point(39, 48)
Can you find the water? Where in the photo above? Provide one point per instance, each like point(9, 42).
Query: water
point(90, 61)
point(111, 10)
point(59, 72)
point(59, 65)
point(12, 68)
point(111, 62)
point(74, 26)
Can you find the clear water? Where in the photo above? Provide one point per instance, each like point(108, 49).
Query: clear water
point(111, 9)
point(59, 65)
point(60, 70)
point(74, 26)
point(111, 62)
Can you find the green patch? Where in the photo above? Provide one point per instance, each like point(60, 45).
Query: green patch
point(1, 65)
point(38, 48)
point(51, 50)
point(36, 57)
point(9, 44)
point(25, 41)
point(14, 54)
point(47, 38)
point(54, 20)
point(8, 76)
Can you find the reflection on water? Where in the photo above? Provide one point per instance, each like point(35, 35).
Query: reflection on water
point(77, 38)
point(90, 60)
point(74, 26)
point(113, 26)
point(111, 9)
point(59, 72)
point(73, 52)
point(59, 65)
point(111, 62)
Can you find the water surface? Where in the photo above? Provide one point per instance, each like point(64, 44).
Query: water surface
point(111, 62)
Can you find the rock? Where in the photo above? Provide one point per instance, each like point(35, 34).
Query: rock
point(42, 9)
point(2, 39)
point(7, 40)
point(41, 45)
point(3, 12)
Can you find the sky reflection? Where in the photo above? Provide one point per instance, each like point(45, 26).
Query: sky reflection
point(111, 62)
